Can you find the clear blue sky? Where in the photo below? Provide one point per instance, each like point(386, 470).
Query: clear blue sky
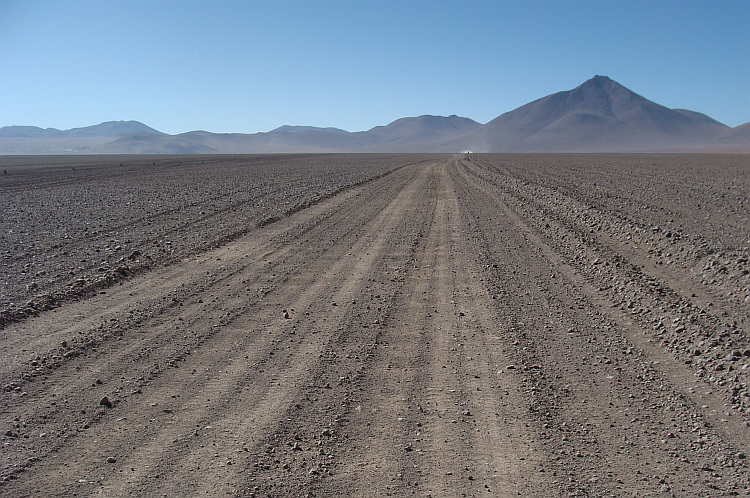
point(247, 66)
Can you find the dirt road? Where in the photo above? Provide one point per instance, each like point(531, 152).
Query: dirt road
point(450, 328)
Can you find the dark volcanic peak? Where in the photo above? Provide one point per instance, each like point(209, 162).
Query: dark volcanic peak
point(598, 115)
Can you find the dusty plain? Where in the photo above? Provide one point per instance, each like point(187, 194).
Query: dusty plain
point(375, 325)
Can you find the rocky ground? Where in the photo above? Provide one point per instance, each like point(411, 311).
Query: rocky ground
point(370, 325)
point(73, 225)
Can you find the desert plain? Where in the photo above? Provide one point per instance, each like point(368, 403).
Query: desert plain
point(375, 325)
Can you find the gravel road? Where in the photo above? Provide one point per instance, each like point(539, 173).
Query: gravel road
point(474, 325)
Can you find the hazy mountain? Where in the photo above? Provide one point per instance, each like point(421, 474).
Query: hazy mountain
point(312, 140)
point(106, 129)
point(300, 129)
point(28, 132)
point(740, 134)
point(422, 133)
point(35, 140)
point(415, 134)
point(111, 128)
point(412, 134)
point(151, 143)
point(599, 115)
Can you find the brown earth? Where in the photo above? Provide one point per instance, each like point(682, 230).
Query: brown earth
point(477, 325)
point(75, 224)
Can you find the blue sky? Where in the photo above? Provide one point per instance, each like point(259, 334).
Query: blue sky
point(246, 66)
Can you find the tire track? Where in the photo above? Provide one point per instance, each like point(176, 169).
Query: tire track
point(225, 297)
point(587, 374)
point(713, 406)
point(415, 335)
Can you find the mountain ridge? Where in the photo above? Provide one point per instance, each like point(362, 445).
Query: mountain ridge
point(599, 115)
point(107, 128)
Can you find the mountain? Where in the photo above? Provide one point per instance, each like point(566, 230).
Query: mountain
point(598, 116)
point(738, 135)
point(151, 143)
point(28, 132)
point(106, 129)
point(111, 128)
point(418, 134)
point(35, 140)
point(300, 129)
point(413, 134)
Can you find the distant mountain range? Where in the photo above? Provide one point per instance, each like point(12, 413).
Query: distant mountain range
point(598, 116)
point(107, 129)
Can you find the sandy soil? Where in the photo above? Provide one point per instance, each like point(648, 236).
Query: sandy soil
point(488, 325)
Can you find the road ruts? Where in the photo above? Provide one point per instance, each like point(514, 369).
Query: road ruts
point(433, 410)
point(621, 414)
point(416, 335)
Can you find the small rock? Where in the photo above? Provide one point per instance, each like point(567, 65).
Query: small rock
point(105, 402)
point(111, 459)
